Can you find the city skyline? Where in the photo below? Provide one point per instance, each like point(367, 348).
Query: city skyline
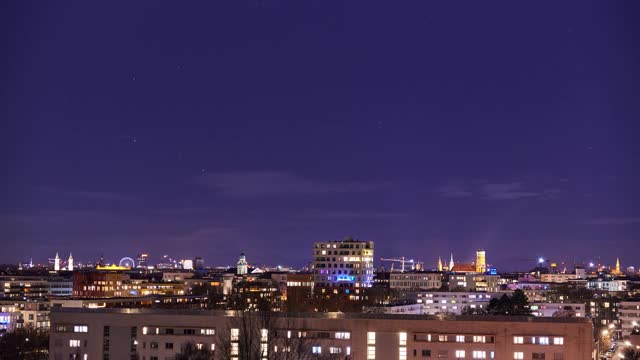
point(264, 127)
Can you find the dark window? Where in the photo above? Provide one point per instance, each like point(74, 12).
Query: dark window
point(426, 353)
point(168, 345)
point(537, 356)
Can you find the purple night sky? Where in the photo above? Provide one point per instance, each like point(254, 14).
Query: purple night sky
point(210, 128)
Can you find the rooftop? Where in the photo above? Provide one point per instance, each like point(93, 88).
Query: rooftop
point(331, 315)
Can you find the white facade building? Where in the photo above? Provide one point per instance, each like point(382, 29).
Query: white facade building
point(453, 302)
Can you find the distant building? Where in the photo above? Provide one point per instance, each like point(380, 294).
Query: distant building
point(347, 263)
point(607, 285)
point(415, 280)
point(242, 265)
point(563, 277)
point(198, 263)
point(98, 284)
point(70, 262)
point(474, 282)
point(187, 264)
point(481, 261)
point(558, 309)
point(56, 263)
point(143, 261)
point(434, 303)
point(33, 287)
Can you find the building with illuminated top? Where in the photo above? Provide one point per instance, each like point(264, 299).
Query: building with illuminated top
point(347, 263)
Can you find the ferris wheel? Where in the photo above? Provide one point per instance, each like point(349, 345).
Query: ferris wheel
point(127, 262)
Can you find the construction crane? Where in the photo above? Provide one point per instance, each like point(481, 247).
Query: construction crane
point(401, 260)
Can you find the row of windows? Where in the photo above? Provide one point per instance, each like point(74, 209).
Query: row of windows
point(540, 340)
point(171, 331)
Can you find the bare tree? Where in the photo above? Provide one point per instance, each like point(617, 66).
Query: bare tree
point(269, 336)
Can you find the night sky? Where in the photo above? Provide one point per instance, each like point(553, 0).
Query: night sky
point(211, 128)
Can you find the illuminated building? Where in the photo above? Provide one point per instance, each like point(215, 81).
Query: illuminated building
point(160, 333)
point(415, 280)
point(187, 264)
point(347, 263)
point(439, 263)
point(242, 265)
point(617, 270)
point(143, 260)
point(70, 262)
point(629, 315)
point(98, 284)
point(56, 263)
point(481, 264)
point(451, 263)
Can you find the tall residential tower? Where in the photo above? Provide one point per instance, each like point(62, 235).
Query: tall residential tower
point(346, 263)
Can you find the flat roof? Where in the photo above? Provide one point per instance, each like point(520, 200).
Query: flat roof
point(331, 315)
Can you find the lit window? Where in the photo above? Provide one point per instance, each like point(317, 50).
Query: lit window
point(544, 340)
point(518, 340)
point(335, 350)
point(235, 334)
point(264, 335)
point(402, 353)
point(371, 338)
point(518, 355)
point(74, 343)
point(479, 339)
point(207, 331)
point(402, 339)
point(343, 335)
point(316, 350)
point(80, 328)
point(558, 341)
point(371, 352)
point(479, 354)
point(459, 338)
point(459, 354)
point(235, 349)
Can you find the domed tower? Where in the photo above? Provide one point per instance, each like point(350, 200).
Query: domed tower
point(242, 266)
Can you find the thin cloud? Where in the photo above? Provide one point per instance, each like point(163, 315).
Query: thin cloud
point(86, 194)
point(614, 221)
point(454, 191)
point(271, 183)
point(507, 191)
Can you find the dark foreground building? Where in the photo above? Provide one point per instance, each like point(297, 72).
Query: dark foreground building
point(152, 334)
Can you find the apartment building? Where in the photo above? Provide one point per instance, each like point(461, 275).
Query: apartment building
point(347, 263)
point(434, 303)
point(417, 280)
point(629, 316)
point(151, 334)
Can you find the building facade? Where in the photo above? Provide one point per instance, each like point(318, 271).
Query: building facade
point(150, 334)
point(415, 280)
point(629, 316)
point(434, 303)
point(347, 263)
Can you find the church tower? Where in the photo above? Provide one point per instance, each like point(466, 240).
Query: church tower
point(439, 263)
point(451, 263)
point(56, 263)
point(242, 266)
point(70, 262)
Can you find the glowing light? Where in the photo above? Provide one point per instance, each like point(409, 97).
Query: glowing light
point(540, 260)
